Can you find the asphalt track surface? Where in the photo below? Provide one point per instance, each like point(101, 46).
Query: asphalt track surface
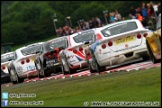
point(136, 66)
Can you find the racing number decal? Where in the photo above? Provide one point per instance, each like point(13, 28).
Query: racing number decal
point(29, 68)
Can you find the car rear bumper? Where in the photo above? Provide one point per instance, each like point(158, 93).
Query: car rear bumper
point(79, 65)
point(28, 74)
point(129, 56)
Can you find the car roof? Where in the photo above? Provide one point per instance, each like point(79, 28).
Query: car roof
point(56, 39)
point(130, 20)
point(84, 31)
point(7, 53)
point(34, 44)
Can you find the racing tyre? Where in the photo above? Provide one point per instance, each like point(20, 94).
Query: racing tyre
point(153, 59)
point(14, 77)
point(45, 74)
point(98, 67)
point(63, 70)
point(89, 65)
point(38, 67)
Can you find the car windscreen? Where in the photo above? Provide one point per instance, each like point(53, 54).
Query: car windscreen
point(32, 49)
point(119, 28)
point(57, 43)
point(7, 57)
point(158, 23)
point(84, 37)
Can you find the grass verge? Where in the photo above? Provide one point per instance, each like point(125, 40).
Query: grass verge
point(143, 85)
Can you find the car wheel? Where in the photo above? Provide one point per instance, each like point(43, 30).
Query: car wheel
point(98, 67)
point(44, 73)
point(89, 64)
point(62, 68)
point(38, 67)
point(14, 77)
point(90, 68)
point(153, 59)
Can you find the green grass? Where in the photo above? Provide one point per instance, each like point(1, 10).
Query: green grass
point(144, 85)
point(14, 47)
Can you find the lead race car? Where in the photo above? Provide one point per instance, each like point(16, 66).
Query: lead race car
point(122, 42)
point(153, 42)
point(23, 66)
point(73, 57)
point(49, 61)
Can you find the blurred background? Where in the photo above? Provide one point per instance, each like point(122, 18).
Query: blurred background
point(26, 21)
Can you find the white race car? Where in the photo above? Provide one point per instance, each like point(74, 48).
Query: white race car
point(6, 58)
point(122, 42)
point(73, 57)
point(48, 61)
point(23, 66)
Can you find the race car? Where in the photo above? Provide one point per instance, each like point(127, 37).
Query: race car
point(23, 66)
point(153, 42)
point(122, 42)
point(49, 61)
point(6, 58)
point(73, 57)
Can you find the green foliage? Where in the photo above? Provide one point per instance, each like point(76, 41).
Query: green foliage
point(15, 32)
point(33, 20)
point(87, 11)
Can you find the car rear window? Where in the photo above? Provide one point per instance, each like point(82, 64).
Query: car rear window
point(57, 43)
point(31, 49)
point(119, 28)
point(7, 57)
point(84, 37)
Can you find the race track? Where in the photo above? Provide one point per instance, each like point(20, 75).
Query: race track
point(127, 68)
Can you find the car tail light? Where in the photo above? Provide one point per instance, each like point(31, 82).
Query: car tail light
point(110, 43)
point(55, 55)
point(3, 67)
point(74, 50)
point(44, 55)
point(138, 36)
point(103, 46)
point(80, 49)
point(22, 62)
point(145, 34)
point(27, 60)
point(49, 56)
